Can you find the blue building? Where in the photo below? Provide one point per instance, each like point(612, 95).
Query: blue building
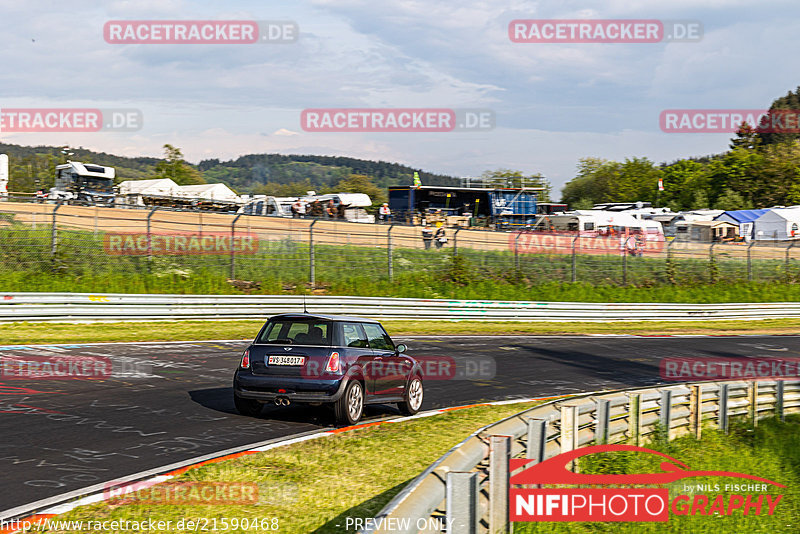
point(745, 219)
point(509, 205)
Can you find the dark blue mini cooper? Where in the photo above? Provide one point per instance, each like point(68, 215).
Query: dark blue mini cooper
point(316, 359)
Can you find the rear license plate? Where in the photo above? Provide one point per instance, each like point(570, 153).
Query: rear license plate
point(286, 360)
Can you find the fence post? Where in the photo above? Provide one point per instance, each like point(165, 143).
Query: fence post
point(499, 456)
point(665, 412)
point(233, 250)
point(574, 261)
point(569, 422)
point(603, 415)
point(711, 265)
point(389, 251)
point(749, 262)
point(455, 241)
point(516, 251)
point(461, 500)
point(625, 263)
point(779, 399)
point(149, 239)
point(671, 267)
point(696, 410)
point(312, 275)
point(724, 394)
point(752, 401)
point(537, 439)
point(54, 232)
point(635, 417)
point(788, 248)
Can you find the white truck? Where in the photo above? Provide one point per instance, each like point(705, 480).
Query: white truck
point(83, 182)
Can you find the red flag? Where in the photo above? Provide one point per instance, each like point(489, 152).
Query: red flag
point(660, 184)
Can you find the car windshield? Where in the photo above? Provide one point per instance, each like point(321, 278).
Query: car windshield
point(297, 332)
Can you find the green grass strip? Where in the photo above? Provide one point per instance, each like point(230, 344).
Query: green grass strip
point(53, 333)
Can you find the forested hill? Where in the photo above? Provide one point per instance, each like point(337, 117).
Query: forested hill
point(261, 173)
point(32, 168)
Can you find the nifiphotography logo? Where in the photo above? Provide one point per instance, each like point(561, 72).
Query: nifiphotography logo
point(628, 504)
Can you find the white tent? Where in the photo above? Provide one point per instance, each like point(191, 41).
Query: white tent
point(778, 224)
point(209, 192)
point(159, 186)
point(133, 191)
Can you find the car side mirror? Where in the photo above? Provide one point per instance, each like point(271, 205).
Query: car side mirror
point(401, 348)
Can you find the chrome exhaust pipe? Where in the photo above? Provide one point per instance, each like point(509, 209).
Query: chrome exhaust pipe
point(278, 401)
point(282, 401)
point(286, 402)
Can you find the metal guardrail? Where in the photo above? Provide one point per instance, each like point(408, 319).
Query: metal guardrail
point(459, 487)
point(123, 307)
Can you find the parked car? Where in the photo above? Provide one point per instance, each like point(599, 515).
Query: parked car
point(317, 359)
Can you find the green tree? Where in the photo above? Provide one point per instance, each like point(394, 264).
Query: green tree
point(781, 124)
point(682, 180)
point(700, 200)
point(174, 167)
point(637, 180)
point(746, 137)
point(592, 183)
point(731, 200)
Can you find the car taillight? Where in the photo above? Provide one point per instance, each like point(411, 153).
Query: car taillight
point(333, 363)
point(246, 359)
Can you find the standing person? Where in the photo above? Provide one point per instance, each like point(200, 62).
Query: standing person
point(296, 209)
point(384, 213)
point(427, 236)
point(331, 209)
point(440, 236)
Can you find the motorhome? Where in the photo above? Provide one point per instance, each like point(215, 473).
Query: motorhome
point(593, 223)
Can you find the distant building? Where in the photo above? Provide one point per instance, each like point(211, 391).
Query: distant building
point(744, 219)
point(135, 192)
point(512, 205)
point(713, 231)
point(209, 192)
point(778, 224)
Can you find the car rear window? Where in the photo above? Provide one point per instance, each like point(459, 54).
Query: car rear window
point(315, 332)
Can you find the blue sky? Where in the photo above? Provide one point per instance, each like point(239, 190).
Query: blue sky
point(554, 103)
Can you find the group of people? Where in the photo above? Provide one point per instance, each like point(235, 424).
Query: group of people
point(428, 236)
point(301, 209)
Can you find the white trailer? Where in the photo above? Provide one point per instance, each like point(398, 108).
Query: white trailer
point(3, 175)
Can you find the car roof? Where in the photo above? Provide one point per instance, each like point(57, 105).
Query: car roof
point(345, 318)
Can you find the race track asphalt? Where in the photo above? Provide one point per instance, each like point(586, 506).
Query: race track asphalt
point(63, 435)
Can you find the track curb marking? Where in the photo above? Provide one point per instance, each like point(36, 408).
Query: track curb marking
point(93, 496)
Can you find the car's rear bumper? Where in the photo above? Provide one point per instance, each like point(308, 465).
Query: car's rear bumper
point(267, 389)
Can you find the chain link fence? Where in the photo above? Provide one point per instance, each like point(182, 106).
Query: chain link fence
point(82, 242)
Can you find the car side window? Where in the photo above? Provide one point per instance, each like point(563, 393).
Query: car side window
point(353, 335)
point(378, 338)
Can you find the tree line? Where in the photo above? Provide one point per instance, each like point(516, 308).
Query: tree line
point(760, 169)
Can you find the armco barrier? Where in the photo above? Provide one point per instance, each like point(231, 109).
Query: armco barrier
point(75, 307)
point(459, 484)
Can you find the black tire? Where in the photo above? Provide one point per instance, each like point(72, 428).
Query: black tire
point(248, 407)
point(413, 397)
point(350, 406)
